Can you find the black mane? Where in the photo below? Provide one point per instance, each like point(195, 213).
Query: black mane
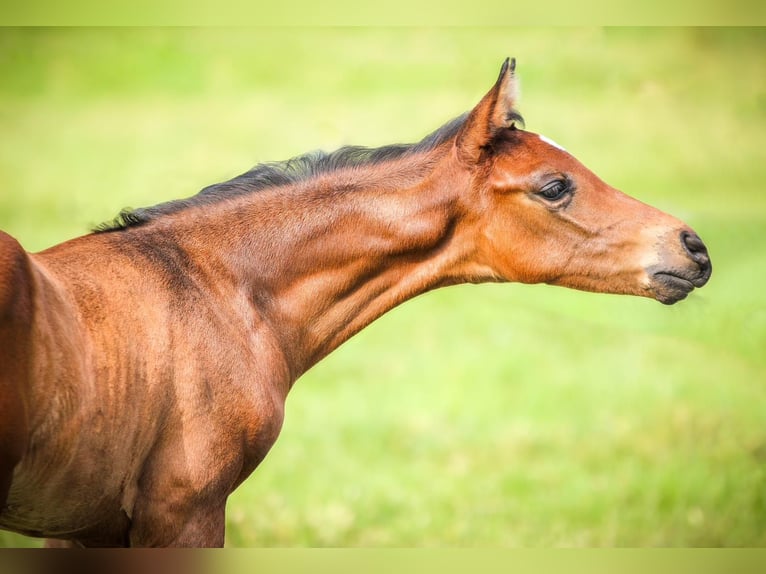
point(297, 169)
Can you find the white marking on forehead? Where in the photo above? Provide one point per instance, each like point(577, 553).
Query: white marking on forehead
point(551, 142)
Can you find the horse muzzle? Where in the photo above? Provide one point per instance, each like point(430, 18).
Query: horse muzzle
point(686, 266)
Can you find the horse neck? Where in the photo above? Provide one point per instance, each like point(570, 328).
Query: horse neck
point(320, 264)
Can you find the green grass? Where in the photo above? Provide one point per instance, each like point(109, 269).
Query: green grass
point(477, 415)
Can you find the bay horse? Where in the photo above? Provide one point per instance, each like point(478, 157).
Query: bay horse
point(144, 367)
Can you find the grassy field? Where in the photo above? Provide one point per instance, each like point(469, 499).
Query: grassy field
point(474, 416)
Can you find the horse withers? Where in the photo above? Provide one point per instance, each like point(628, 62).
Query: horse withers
point(144, 367)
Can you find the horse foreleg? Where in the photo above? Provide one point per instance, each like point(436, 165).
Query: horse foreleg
point(56, 543)
point(201, 526)
point(183, 488)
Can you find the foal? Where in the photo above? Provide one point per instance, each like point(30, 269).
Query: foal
point(144, 367)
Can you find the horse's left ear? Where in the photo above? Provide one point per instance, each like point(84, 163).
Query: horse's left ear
point(493, 113)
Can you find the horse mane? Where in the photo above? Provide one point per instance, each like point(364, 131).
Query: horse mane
point(283, 173)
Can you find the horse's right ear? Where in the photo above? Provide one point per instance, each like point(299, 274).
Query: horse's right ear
point(493, 113)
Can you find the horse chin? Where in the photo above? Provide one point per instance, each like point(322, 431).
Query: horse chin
point(669, 288)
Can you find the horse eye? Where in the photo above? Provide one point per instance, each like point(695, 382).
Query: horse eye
point(554, 190)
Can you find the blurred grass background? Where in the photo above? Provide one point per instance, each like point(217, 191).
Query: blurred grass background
point(474, 416)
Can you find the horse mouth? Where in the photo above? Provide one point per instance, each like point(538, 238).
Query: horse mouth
point(670, 288)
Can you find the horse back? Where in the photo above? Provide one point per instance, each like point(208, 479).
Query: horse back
point(16, 314)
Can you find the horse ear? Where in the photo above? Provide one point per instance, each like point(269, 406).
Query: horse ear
point(493, 113)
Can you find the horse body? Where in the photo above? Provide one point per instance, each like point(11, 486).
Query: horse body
point(143, 396)
point(147, 366)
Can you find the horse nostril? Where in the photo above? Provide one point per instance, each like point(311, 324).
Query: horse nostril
point(694, 246)
point(698, 253)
